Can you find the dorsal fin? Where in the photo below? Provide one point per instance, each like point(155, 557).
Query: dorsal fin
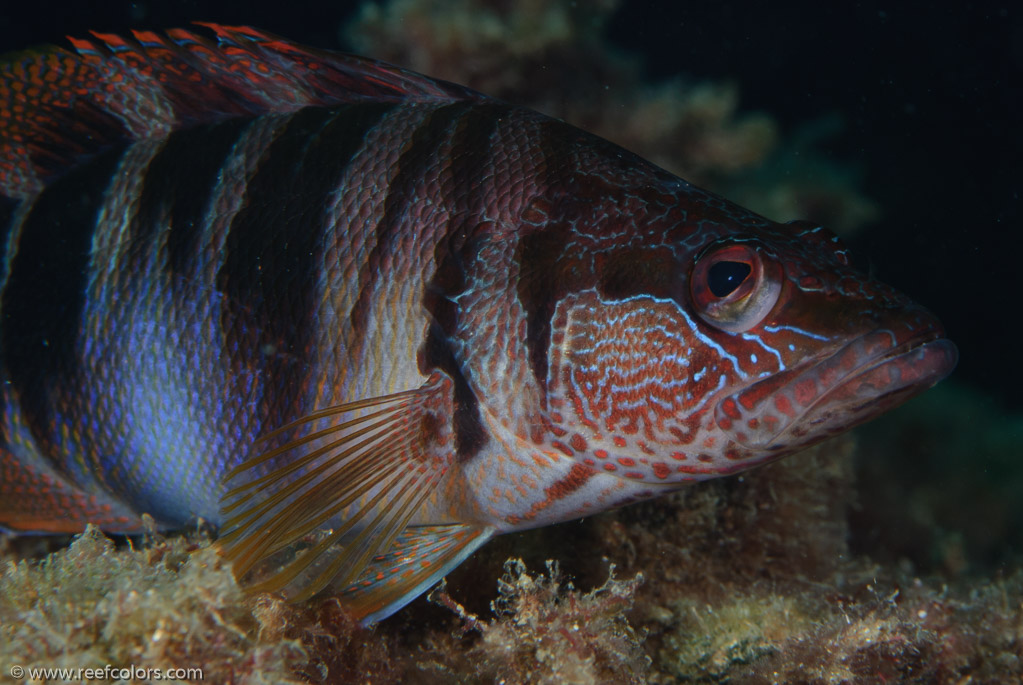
point(59, 108)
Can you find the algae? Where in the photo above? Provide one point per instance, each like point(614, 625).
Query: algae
point(170, 604)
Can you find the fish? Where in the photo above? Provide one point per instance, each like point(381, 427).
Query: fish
point(360, 321)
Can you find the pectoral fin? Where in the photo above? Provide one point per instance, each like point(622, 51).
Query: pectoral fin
point(333, 494)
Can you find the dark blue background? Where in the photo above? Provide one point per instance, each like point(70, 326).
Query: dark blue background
point(930, 95)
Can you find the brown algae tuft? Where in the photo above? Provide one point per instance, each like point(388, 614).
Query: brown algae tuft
point(546, 631)
point(170, 604)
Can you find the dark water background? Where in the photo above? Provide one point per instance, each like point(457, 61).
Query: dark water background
point(930, 96)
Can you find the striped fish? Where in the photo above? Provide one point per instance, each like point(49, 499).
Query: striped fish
point(361, 320)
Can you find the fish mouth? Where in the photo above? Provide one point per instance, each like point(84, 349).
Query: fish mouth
point(865, 378)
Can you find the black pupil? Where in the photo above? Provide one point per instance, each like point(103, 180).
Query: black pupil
point(724, 277)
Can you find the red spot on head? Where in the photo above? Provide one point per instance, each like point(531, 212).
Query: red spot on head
point(578, 442)
point(806, 391)
point(754, 395)
point(608, 466)
point(781, 402)
point(661, 470)
point(600, 454)
point(730, 409)
point(626, 461)
point(619, 441)
point(678, 456)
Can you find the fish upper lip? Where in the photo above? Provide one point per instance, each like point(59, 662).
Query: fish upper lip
point(782, 412)
point(884, 357)
point(904, 347)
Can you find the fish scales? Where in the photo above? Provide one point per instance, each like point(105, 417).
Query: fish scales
point(361, 320)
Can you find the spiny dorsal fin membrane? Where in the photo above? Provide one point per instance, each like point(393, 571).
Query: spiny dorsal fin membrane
point(59, 108)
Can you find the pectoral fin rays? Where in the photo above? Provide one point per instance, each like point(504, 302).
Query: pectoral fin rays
point(329, 500)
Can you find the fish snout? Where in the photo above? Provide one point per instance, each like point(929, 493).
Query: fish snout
point(868, 376)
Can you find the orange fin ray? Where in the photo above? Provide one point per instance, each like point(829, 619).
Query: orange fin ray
point(328, 412)
point(287, 526)
point(320, 503)
point(240, 494)
point(340, 560)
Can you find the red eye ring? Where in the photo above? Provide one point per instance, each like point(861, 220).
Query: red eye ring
point(733, 286)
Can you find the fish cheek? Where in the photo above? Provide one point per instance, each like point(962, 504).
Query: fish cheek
point(616, 368)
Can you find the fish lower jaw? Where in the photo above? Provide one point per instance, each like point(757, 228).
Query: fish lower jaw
point(854, 385)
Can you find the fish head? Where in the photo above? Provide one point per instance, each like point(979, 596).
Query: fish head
point(842, 346)
point(729, 347)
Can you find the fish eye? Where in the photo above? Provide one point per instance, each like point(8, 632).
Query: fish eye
point(734, 286)
point(724, 277)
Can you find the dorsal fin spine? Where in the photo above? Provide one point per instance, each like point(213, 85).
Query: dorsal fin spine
point(58, 109)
